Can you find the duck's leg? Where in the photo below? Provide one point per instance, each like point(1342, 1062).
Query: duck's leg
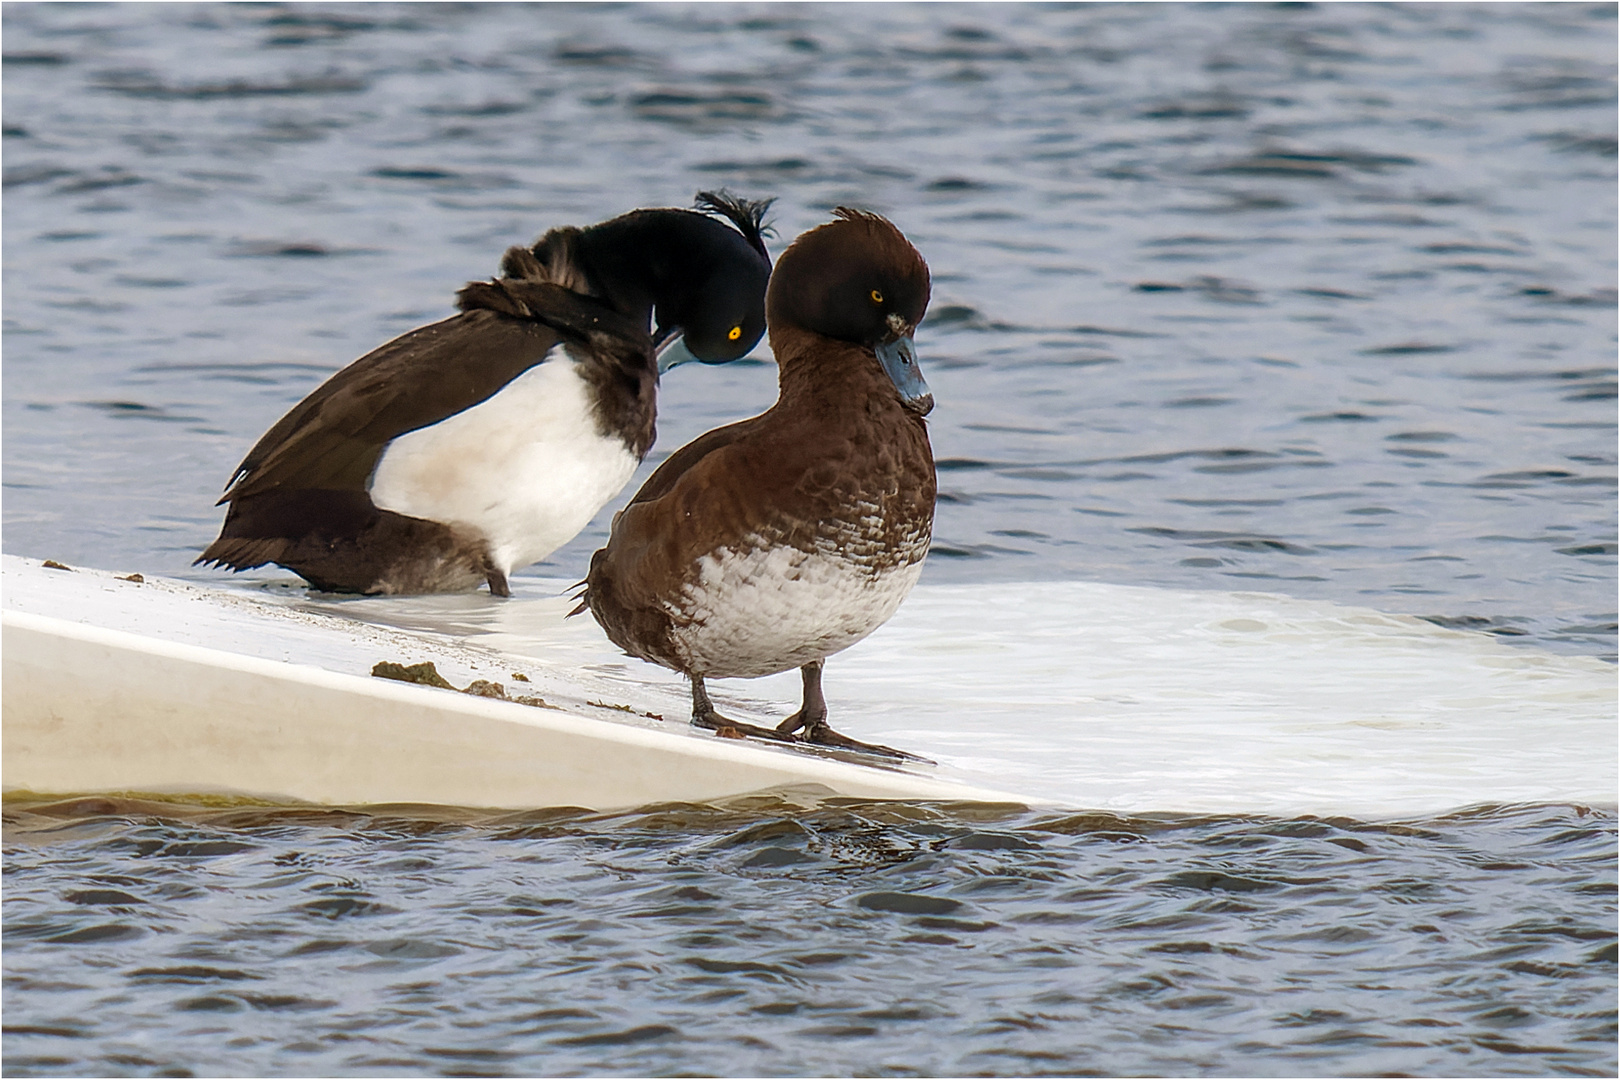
point(812, 719)
point(813, 713)
point(497, 582)
point(703, 715)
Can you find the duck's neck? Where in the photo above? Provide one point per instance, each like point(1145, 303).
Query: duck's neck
point(817, 370)
point(638, 261)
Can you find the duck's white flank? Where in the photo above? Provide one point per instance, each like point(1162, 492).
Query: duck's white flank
point(772, 608)
point(528, 468)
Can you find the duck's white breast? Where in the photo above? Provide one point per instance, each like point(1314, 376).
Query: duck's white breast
point(762, 608)
point(528, 467)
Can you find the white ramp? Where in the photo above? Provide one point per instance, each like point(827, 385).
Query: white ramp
point(1084, 695)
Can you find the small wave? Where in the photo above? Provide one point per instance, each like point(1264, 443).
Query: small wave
point(1298, 164)
point(146, 85)
point(702, 108)
point(1206, 538)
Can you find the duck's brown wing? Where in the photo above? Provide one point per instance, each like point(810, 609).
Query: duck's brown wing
point(689, 457)
point(658, 534)
point(644, 551)
point(707, 496)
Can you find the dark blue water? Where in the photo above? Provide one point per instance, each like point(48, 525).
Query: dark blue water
point(1317, 300)
point(764, 939)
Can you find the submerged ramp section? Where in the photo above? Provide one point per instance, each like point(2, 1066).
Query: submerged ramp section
point(1086, 695)
point(1234, 702)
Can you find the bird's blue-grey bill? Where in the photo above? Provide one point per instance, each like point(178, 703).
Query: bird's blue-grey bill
point(673, 351)
point(899, 359)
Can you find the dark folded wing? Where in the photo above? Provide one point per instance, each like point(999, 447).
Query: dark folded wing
point(682, 461)
point(332, 438)
point(692, 505)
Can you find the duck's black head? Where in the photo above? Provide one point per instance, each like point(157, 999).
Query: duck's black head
point(701, 274)
point(857, 279)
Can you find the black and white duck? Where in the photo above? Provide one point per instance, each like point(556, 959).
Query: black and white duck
point(465, 450)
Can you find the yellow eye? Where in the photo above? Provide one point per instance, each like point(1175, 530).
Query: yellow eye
point(877, 297)
point(736, 332)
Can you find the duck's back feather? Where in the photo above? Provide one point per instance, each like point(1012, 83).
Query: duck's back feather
point(333, 437)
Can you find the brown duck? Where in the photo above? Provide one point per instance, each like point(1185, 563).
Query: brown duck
point(775, 542)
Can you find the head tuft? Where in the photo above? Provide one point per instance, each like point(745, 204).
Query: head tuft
point(850, 213)
point(748, 215)
point(856, 278)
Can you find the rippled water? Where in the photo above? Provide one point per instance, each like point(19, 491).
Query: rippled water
point(1312, 300)
point(771, 938)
